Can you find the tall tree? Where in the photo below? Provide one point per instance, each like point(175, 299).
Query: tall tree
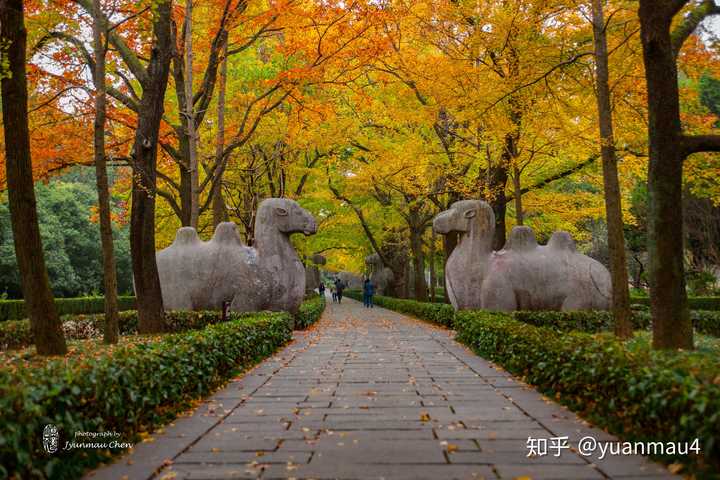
point(613, 201)
point(109, 273)
point(190, 114)
point(144, 164)
point(44, 320)
point(218, 203)
point(669, 147)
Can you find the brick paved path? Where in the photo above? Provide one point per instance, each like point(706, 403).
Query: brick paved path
point(370, 394)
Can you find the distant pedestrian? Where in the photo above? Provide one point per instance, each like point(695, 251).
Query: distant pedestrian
point(334, 292)
point(368, 292)
point(339, 287)
point(321, 289)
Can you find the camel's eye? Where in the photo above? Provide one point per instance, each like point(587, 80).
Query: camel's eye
point(470, 214)
point(281, 211)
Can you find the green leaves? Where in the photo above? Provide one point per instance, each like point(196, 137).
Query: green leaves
point(309, 312)
point(440, 313)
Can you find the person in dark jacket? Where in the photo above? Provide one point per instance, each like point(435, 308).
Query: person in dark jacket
point(321, 289)
point(368, 292)
point(339, 287)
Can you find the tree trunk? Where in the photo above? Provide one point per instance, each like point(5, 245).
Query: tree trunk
point(218, 205)
point(517, 197)
point(433, 277)
point(44, 320)
point(142, 219)
point(497, 180)
point(418, 265)
point(190, 115)
point(185, 192)
point(672, 327)
point(112, 320)
point(613, 201)
point(449, 244)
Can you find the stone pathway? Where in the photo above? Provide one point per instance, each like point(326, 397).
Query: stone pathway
point(372, 394)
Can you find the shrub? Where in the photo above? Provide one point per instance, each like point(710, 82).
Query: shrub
point(310, 311)
point(641, 395)
point(15, 309)
point(128, 388)
point(440, 313)
point(15, 334)
point(587, 321)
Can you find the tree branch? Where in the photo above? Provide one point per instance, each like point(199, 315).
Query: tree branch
point(361, 218)
point(557, 176)
point(700, 143)
point(690, 23)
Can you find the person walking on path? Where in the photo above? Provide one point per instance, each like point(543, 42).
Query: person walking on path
point(321, 289)
point(333, 292)
point(368, 292)
point(339, 287)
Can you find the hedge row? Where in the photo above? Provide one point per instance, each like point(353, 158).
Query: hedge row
point(15, 309)
point(441, 313)
point(640, 396)
point(705, 321)
point(16, 333)
point(695, 303)
point(126, 389)
point(310, 311)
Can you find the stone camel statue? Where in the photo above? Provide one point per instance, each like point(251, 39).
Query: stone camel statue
point(380, 275)
point(521, 276)
point(312, 272)
point(197, 275)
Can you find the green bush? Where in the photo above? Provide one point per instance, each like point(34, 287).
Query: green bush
point(586, 321)
point(310, 311)
point(705, 321)
point(16, 333)
point(128, 388)
point(695, 303)
point(15, 309)
point(440, 313)
point(640, 395)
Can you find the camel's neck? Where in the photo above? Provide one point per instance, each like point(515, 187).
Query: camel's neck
point(269, 242)
point(475, 245)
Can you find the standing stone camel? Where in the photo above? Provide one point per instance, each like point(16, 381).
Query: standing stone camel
point(380, 275)
point(521, 276)
point(312, 272)
point(197, 275)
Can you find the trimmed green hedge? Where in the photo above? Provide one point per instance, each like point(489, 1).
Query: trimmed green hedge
point(440, 313)
point(15, 309)
point(127, 389)
point(310, 311)
point(639, 395)
point(695, 303)
point(584, 321)
point(16, 334)
point(705, 321)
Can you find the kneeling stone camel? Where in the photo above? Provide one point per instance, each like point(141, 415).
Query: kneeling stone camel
point(521, 276)
point(197, 275)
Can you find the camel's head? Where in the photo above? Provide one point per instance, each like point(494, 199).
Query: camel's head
point(466, 216)
point(287, 216)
